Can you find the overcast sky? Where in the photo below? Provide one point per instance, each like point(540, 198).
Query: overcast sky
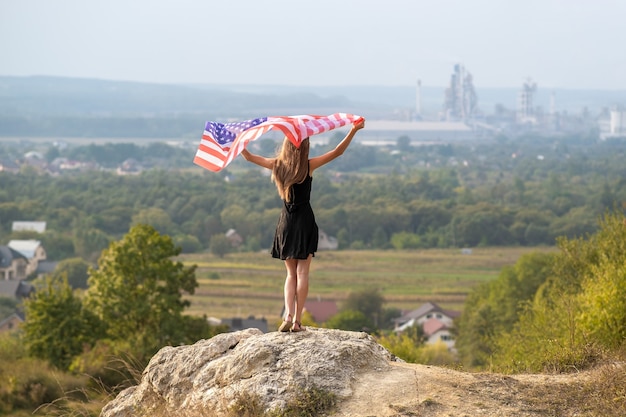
point(558, 43)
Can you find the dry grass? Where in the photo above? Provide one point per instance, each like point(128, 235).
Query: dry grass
point(308, 402)
point(602, 394)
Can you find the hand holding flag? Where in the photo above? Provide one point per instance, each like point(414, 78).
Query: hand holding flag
point(222, 142)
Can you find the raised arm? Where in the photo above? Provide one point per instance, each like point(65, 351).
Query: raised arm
point(256, 159)
point(318, 161)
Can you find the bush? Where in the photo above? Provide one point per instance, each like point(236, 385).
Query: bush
point(403, 346)
point(309, 402)
point(109, 365)
point(28, 383)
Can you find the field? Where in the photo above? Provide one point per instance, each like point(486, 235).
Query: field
point(251, 284)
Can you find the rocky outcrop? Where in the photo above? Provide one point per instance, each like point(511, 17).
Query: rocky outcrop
point(206, 378)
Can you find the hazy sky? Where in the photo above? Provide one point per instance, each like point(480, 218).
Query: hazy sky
point(558, 43)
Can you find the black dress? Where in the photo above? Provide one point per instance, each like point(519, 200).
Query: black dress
point(296, 234)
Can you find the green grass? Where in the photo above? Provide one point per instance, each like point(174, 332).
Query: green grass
point(245, 284)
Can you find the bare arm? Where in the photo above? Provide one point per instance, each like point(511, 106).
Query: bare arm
point(256, 159)
point(318, 161)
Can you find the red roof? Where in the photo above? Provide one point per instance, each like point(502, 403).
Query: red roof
point(321, 310)
point(432, 326)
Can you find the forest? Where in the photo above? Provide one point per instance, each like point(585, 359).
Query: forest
point(526, 191)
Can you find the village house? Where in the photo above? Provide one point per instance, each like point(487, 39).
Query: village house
point(7, 165)
point(234, 238)
point(326, 242)
point(320, 310)
point(28, 226)
point(13, 265)
point(32, 250)
point(16, 289)
point(11, 322)
point(435, 322)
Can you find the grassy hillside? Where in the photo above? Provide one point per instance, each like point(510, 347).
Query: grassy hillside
point(244, 284)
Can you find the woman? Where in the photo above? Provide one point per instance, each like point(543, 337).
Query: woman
point(296, 237)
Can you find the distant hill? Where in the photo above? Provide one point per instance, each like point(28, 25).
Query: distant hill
point(75, 107)
point(54, 96)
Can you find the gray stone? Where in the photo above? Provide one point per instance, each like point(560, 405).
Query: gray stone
point(207, 377)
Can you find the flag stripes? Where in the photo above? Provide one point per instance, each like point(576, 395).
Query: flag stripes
point(221, 143)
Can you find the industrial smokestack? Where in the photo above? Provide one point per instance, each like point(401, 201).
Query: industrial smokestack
point(418, 100)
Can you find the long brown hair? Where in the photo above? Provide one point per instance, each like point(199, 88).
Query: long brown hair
point(291, 166)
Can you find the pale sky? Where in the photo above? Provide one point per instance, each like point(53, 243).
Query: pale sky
point(558, 43)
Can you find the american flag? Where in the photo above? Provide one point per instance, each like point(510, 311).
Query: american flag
point(222, 142)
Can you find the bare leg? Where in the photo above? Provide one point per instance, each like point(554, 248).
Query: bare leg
point(290, 288)
point(302, 287)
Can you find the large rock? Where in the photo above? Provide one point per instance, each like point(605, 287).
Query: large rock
point(206, 378)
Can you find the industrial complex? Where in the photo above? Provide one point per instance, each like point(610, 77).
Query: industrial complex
point(461, 118)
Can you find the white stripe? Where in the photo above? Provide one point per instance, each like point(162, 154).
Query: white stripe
point(213, 145)
point(209, 158)
point(295, 127)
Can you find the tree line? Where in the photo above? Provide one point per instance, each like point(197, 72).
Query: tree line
point(496, 193)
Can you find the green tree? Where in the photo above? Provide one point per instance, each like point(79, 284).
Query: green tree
point(403, 143)
point(369, 302)
point(137, 291)
point(58, 246)
point(57, 326)
point(602, 297)
point(220, 245)
point(157, 218)
point(493, 309)
point(402, 345)
point(7, 306)
point(75, 270)
point(406, 240)
point(379, 239)
point(348, 320)
point(188, 243)
point(578, 310)
point(89, 242)
point(475, 330)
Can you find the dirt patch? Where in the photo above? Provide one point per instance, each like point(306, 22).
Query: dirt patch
point(428, 391)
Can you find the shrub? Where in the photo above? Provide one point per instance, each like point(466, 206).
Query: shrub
point(27, 383)
point(309, 402)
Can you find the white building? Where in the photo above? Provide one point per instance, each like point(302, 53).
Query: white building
point(32, 250)
point(614, 126)
point(617, 123)
point(435, 322)
point(39, 227)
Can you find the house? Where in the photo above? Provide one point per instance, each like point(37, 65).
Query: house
point(7, 165)
point(130, 167)
point(39, 227)
point(320, 310)
point(326, 242)
point(15, 289)
point(11, 322)
point(435, 322)
point(234, 238)
point(35, 159)
point(32, 250)
point(436, 331)
point(13, 265)
point(237, 323)
point(46, 267)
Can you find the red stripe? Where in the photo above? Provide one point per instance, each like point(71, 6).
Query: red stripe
point(212, 151)
point(206, 164)
point(304, 125)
